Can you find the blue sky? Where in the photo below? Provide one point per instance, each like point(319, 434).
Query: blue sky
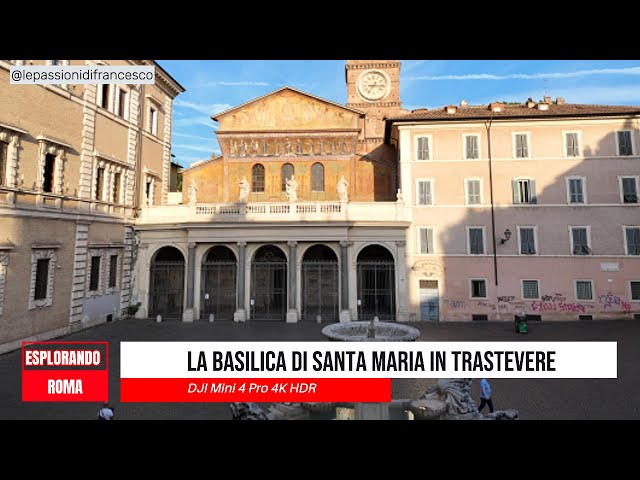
point(216, 85)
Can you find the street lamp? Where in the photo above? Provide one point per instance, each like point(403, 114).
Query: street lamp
point(507, 236)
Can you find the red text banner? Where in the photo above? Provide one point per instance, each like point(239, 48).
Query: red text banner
point(255, 390)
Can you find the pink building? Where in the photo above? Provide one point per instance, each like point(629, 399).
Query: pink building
point(521, 207)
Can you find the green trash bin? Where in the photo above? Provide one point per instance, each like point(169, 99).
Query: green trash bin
point(521, 323)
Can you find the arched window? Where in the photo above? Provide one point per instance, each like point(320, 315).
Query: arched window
point(257, 178)
point(317, 177)
point(286, 172)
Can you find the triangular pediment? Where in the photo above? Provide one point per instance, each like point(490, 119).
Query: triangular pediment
point(288, 109)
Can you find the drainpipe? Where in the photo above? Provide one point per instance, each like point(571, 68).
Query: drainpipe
point(493, 216)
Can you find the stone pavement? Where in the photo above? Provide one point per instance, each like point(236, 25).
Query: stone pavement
point(557, 399)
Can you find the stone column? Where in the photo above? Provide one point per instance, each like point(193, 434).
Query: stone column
point(187, 315)
point(402, 292)
point(345, 314)
point(240, 315)
point(292, 311)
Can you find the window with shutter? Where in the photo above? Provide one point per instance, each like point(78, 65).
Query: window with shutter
point(473, 192)
point(580, 241)
point(629, 190)
point(426, 240)
point(423, 148)
point(633, 240)
point(471, 147)
point(522, 145)
point(478, 289)
point(424, 193)
point(571, 140)
point(576, 190)
point(624, 143)
point(527, 241)
point(476, 243)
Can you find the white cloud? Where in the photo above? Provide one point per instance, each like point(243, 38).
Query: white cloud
point(208, 108)
point(196, 120)
point(195, 137)
point(196, 148)
point(533, 76)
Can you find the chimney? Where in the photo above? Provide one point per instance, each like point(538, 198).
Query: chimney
point(451, 109)
point(530, 103)
point(464, 103)
point(560, 101)
point(547, 99)
point(543, 105)
point(496, 106)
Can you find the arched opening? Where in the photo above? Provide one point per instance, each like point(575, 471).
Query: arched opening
point(376, 284)
point(286, 172)
point(268, 284)
point(257, 178)
point(166, 283)
point(317, 177)
point(218, 283)
point(320, 284)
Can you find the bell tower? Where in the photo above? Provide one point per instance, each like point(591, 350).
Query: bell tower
point(373, 86)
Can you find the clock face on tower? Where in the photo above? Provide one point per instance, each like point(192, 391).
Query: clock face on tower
point(373, 85)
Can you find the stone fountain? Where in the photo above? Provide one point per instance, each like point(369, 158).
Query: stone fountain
point(373, 331)
point(447, 399)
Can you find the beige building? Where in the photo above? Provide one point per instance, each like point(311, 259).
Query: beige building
point(77, 162)
point(529, 207)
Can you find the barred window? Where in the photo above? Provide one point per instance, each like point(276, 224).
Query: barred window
point(530, 289)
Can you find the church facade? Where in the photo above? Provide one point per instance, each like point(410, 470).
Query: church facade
point(297, 219)
point(317, 211)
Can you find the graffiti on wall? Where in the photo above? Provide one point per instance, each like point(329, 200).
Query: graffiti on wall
point(609, 300)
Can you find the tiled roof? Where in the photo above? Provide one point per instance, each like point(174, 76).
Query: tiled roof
point(481, 112)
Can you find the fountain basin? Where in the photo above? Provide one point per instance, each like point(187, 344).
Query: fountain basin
point(358, 332)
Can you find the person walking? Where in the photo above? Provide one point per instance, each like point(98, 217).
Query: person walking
point(106, 412)
point(485, 395)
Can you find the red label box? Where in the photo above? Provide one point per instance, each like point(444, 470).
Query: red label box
point(65, 371)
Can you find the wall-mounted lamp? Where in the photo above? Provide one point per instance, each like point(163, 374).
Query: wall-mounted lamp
point(507, 236)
